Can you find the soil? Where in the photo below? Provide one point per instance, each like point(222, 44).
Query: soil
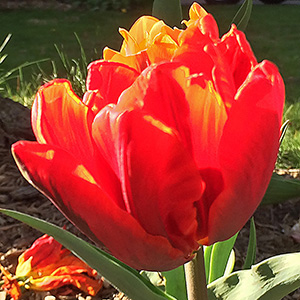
point(277, 229)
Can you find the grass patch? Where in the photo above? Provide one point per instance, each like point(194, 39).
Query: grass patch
point(34, 33)
point(273, 33)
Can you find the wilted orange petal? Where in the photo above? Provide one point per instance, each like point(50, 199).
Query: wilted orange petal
point(10, 284)
point(43, 252)
point(81, 281)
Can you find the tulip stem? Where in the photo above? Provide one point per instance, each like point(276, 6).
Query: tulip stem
point(195, 277)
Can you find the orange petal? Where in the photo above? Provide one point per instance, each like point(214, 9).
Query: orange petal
point(10, 284)
point(196, 12)
point(84, 283)
point(162, 49)
point(138, 61)
point(135, 40)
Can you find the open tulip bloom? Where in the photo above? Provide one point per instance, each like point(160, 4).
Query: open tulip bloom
point(172, 146)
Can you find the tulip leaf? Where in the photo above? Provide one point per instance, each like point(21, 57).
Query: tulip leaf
point(251, 251)
point(170, 11)
point(207, 256)
point(230, 263)
point(175, 283)
point(242, 17)
point(124, 278)
point(281, 189)
point(218, 258)
point(273, 279)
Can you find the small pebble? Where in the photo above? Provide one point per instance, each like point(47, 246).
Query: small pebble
point(50, 297)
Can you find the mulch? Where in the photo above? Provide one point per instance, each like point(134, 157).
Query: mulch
point(277, 229)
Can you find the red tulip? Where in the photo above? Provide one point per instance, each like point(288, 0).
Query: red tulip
point(160, 158)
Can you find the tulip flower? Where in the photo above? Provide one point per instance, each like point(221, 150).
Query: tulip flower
point(46, 266)
point(172, 146)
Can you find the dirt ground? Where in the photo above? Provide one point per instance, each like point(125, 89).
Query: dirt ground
point(277, 229)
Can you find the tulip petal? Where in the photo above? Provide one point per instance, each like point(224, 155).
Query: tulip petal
point(158, 91)
point(107, 80)
point(248, 151)
point(60, 118)
point(74, 191)
point(162, 49)
point(135, 39)
point(138, 61)
point(43, 252)
point(191, 51)
point(159, 179)
point(207, 116)
point(55, 281)
point(238, 54)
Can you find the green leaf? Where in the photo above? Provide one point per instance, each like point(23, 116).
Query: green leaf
point(230, 263)
point(175, 283)
point(124, 278)
point(273, 279)
point(283, 130)
point(251, 251)
point(242, 17)
point(281, 189)
point(170, 11)
point(207, 256)
point(219, 255)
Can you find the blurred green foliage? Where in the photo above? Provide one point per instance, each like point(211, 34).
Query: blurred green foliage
point(106, 4)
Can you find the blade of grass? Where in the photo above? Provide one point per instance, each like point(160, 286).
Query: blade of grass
point(251, 251)
point(242, 17)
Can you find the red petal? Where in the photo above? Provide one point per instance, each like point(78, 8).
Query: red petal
point(192, 53)
point(238, 54)
point(159, 179)
point(248, 151)
point(158, 91)
point(92, 209)
point(108, 80)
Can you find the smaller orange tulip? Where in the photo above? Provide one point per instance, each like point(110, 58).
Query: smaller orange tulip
point(46, 266)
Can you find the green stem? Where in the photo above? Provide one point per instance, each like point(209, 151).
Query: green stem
point(195, 277)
